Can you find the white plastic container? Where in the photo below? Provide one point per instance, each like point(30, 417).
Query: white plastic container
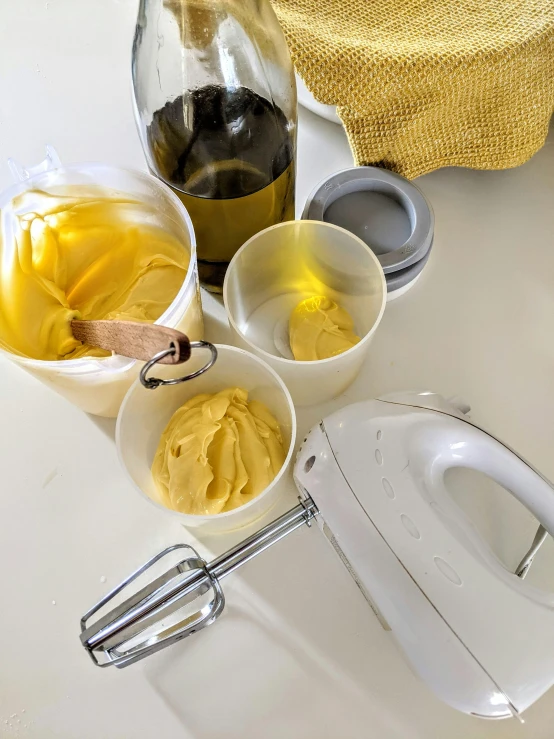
point(276, 269)
point(145, 413)
point(98, 385)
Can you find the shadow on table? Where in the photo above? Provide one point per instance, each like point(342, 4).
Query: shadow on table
point(106, 425)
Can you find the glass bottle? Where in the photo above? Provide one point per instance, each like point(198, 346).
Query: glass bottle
point(215, 102)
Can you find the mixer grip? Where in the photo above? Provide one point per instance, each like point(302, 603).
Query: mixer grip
point(479, 450)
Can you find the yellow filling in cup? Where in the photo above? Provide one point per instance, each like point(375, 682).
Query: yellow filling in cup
point(319, 329)
point(217, 453)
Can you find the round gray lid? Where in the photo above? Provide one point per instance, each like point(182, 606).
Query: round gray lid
point(385, 210)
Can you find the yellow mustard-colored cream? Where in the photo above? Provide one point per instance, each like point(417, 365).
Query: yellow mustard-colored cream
point(64, 257)
point(217, 453)
point(319, 328)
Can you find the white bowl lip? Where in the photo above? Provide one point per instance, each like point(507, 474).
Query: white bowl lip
point(294, 362)
point(200, 519)
point(86, 363)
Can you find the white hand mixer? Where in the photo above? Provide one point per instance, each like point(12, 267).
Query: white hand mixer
point(372, 476)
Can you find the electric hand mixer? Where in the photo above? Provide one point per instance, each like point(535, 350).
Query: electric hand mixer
point(372, 476)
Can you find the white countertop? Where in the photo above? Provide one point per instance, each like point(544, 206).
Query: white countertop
point(297, 653)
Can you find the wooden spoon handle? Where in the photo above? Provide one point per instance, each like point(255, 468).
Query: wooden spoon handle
point(136, 340)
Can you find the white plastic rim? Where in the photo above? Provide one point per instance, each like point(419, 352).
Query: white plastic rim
point(98, 384)
point(144, 414)
point(318, 381)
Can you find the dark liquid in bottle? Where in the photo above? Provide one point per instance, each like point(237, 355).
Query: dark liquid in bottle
point(229, 156)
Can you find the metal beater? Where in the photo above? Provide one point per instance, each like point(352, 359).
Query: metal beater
point(137, 627)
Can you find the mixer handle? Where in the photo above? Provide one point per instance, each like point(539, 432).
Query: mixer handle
point(481, 451)
point(485, 453)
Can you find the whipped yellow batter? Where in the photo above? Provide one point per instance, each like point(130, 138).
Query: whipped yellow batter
point(64, 257)
point(217, 453)
point(319, 328)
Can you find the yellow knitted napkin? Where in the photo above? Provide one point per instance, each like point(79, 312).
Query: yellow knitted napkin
point(422, 84)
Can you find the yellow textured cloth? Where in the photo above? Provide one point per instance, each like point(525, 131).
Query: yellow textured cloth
point(422, 84)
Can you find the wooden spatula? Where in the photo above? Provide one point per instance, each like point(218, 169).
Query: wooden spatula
point(135, 340)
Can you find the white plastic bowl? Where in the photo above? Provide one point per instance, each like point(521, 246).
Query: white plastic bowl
point(98, 385)
point(145, 413)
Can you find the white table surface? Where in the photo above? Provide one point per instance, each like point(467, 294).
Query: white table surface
point(297, 654)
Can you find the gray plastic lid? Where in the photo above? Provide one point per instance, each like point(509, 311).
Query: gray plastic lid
point(389, 213)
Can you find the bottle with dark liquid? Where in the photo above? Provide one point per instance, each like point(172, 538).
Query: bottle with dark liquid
point(216, 108)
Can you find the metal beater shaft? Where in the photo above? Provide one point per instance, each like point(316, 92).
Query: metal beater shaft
point(163, 597)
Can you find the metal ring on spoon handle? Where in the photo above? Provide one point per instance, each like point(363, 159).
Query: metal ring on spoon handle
point(151, 383)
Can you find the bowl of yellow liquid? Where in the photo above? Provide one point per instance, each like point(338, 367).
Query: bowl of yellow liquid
point(214, 452)
point(91, 241)
point(307, 298)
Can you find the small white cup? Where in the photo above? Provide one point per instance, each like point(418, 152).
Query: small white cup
point(280, 266)
point(145, 413)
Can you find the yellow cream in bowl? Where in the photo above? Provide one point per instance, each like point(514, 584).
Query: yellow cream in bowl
point(217, 453)
point(65, 257)
point(319, 328)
